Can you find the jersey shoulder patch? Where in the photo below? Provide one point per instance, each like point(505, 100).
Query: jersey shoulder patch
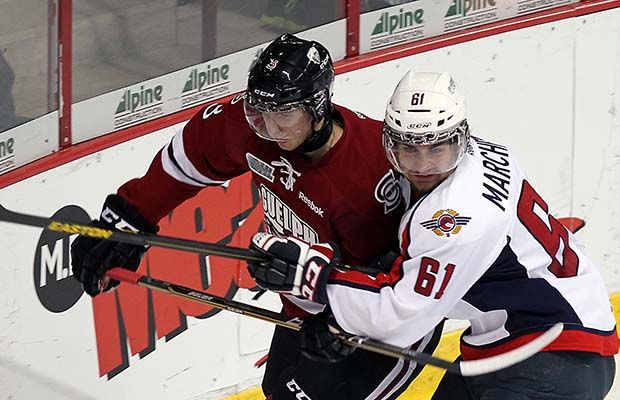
point(388, 192)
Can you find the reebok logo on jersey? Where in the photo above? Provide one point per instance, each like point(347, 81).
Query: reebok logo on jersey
point(259, 167)
point(388, 192)
point(281, 220)
point(310, 203)
point(446, 222)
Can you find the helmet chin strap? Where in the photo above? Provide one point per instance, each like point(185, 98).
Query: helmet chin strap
point(316, 139)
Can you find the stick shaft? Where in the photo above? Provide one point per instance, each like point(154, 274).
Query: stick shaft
point(262, 314)
point(71, 227)
point(221, 303)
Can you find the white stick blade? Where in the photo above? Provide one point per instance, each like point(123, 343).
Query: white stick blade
point(512, 357)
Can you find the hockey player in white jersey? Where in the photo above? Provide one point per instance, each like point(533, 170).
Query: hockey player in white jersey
point(477, 243)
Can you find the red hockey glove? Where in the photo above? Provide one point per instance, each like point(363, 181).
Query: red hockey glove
point(293, 266)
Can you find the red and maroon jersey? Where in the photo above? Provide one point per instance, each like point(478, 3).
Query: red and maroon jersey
point(350, 196)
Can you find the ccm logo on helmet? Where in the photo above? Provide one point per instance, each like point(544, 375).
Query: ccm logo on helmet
point(420, 125)
point(264, 94)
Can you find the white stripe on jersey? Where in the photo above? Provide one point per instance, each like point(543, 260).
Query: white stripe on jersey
point(308, 306)
point(389, 379)
point(177, 164)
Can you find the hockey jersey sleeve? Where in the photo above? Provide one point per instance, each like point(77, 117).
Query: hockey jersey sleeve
point(424, 284)
point(207, 151)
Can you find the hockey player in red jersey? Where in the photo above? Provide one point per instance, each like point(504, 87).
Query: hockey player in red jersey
point(322, 176)
point(477, 243)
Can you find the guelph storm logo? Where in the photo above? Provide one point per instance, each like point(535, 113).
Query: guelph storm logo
point(388, 192)
point(289, 175)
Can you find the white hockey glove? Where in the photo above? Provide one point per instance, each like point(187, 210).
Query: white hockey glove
point(293, 266)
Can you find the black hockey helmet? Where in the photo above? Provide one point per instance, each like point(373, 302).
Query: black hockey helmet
point(289, 74)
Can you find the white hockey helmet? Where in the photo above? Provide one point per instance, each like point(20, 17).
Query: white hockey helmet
point(426, 109)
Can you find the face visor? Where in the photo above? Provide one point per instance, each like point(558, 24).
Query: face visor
point(278, 122)
point(426, 153)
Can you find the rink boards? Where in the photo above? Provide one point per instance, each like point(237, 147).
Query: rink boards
point(550, 91)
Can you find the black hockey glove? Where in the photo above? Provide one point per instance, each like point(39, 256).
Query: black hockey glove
point(293, 266)
point(383, 263)
point(319, 344)
point(91, 258)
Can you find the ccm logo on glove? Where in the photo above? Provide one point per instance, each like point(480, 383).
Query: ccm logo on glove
point(116, 221)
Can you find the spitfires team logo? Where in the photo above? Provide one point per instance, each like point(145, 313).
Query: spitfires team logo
point(446, 222)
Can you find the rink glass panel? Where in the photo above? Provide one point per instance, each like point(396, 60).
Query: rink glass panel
point(24, 62)
point(118, 43)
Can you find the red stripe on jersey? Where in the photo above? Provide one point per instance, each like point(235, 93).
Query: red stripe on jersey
point(406, 238)
point(572, 340)
point(324, 249)
point(291, 310)
point(370, 282)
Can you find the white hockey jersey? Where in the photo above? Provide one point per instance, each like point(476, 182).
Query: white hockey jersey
point(482, 247)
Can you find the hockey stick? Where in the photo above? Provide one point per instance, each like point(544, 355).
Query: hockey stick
point(125, 275)
point(464, 368)
point(71, 227)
